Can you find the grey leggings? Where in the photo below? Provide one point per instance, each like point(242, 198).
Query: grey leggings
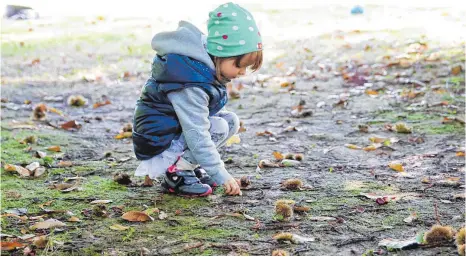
point(223, 125)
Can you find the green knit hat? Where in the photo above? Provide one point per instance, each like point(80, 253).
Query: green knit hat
point(232, 31)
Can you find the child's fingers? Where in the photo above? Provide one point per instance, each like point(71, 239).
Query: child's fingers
point(227, 188)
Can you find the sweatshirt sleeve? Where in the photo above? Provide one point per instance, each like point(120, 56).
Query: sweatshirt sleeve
point(191, 107)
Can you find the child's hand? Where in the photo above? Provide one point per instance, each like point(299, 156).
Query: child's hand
point(232, 187)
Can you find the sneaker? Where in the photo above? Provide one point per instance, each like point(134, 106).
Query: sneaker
point(202, 175)
point(185, 183)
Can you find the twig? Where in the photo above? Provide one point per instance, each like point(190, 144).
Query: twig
point(355, 240)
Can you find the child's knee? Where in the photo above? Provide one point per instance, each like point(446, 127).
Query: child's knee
point(233, 123)
point(219, 129)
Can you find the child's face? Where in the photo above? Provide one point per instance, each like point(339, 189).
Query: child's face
point(231, 70)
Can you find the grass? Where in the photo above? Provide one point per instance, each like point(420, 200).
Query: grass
point(454, 128)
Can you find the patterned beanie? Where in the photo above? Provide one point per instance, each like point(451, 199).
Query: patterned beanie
point(232, 31)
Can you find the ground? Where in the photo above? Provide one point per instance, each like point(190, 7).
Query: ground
point(352, 75)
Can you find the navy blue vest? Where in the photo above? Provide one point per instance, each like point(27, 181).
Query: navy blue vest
point(155, 123)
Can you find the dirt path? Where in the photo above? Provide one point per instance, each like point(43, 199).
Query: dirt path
point(352, 80)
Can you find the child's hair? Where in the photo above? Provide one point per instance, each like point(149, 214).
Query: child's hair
point(257, 56)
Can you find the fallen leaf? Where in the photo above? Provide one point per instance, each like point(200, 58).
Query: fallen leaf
point(63, 164)
point(22, 218)
point(278, 156)
point(382, 200)
point(118, 227)
point(39, 172)
point(233, 140)
point(268, 163)
point(48, 203)
point(151, 211)
point(399, 244)
point(162, 215)
point(54, 148)
point(460, 153)
point(61, 186)
point(33, 166)
point(71, 125)
point(51, 109)
point(396, 166)
point(99, 104)
point(456, 70)
point(124, 135)
point(351, 146)
point(40, 241)
point(265, 133)
point(50, 223)
point(100, 201)
point(23, 172)
point(35, 61)
point(147, 182)
point(136, 216)
point(9, 246)
point(74, 219)
point(241, 127)
point(372, 147)
point(371, 92)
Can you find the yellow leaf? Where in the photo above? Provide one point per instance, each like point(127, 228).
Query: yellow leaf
point(351, 146)
point(124, 135)
point(372, 147)
point(233, 140)
point(9, 167)
point(396, 166)
point(278, 156)
point(56, 111)
point(371, 92)
point(118, 227)
point(460, 153)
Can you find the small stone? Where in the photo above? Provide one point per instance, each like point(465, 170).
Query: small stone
point(39, 172)
point(33, 166)
point(40, 154)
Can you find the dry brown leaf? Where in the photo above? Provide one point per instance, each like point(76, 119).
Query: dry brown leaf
point(22, 218)
point(268, 163)
point(40, 241)
point(99, 104)
point(74, 219)
point(396, 166)
point(54, 148)
point(35, 61)
point(136, 216)
point(61, 186)
point(124, 135)
point(71, 125)
point(50, 223)
point(23, 172)
point(265, 133)
point(456, 70)
point(9, 246)
point(371, 92)
point(63, 164)
point(460, 153)
point(278, 156)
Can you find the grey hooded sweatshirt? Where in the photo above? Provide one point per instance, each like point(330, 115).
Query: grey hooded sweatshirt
point(191, 104)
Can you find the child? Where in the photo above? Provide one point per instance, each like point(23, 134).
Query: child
point(179, 121)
